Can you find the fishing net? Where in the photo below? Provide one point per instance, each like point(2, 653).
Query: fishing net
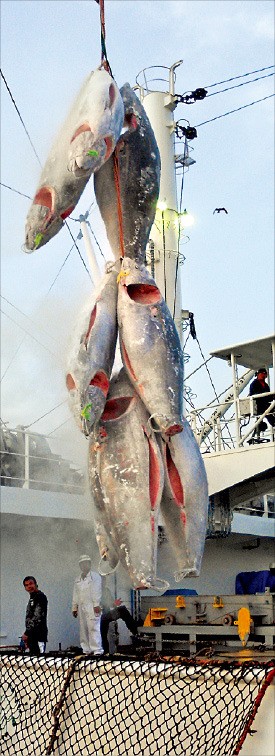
point(137, 707)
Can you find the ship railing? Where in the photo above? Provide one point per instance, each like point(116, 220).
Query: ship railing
point(218, 434)
point(157, 79)
point(21, 468)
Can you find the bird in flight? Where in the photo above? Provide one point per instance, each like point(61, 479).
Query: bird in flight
point(219, 210)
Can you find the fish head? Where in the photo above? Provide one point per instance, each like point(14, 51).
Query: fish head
point(137, 283)
point(43, 220)
point(95, 137)
point(87, 405)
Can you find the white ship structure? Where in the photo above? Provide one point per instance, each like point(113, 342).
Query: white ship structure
point(46, 510)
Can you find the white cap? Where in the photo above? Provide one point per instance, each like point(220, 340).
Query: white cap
point(272, 566)
point(85, 558)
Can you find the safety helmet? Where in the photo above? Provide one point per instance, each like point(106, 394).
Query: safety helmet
point(85, 558)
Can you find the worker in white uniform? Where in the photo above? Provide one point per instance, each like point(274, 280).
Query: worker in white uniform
point(86, 606)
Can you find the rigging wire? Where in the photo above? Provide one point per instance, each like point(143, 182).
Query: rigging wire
point(28, 318)
point(21, 119)
point(59, 426)
point(15, 190)
point(62, 266)
point(99, 247)
point(234, 111)
point(178, 241)
point(240, 76)
point(198, 368)
point(11, 361)
point(77, 247)
point(45, 414)
point(243, 84)
point(28, 333)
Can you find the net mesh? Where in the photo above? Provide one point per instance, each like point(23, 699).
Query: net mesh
point(117, 705)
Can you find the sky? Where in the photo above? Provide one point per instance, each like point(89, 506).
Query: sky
point(227, 280)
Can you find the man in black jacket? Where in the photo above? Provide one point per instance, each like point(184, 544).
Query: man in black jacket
point(36, 632)
point(260, 386)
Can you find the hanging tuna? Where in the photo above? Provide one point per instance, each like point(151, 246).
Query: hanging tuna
point(184, 504)
point(126, 479)
point(85, 141)
point(92, 357)
point(139, 178)
point(150, 347)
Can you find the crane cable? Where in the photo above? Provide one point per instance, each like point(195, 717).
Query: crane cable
point(105, 64)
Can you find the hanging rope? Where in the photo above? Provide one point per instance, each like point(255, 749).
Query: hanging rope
point(118, 196)
point(104, 60)
point(105, 64)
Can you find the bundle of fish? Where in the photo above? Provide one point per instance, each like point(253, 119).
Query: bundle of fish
point(143, 458)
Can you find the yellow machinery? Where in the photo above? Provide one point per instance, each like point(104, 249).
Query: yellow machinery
point(155, 617)
point(223, 619)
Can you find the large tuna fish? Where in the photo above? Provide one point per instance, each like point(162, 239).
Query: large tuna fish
point(126, 480)
point(184, 504)
point(139, 177)
point(150, 347)
point(85, 141)
point(91, 360)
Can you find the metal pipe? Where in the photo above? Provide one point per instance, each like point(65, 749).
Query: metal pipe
point(267, 411)
point(26, 483)
point(94, 267)
point(236, 403)
point(225, 405)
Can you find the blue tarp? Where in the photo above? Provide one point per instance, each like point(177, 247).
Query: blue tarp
point(254, 582)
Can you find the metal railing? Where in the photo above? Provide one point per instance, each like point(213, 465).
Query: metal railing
point(221, 434)
point(28, 462)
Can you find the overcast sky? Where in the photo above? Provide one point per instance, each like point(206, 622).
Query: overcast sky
point(48, 48)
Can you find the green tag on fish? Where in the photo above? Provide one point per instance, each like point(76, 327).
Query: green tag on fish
point(93, 153)
point(86, 412)
point(38, 239)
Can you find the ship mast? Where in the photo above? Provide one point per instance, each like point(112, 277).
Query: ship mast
point(163, 247)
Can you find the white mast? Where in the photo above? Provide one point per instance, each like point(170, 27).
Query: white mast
point(164, 238)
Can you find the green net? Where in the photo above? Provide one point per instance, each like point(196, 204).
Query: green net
point(137, 707)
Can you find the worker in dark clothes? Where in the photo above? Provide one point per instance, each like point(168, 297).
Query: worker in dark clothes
point(36, 632)
point(260, 386)
point(111, 612)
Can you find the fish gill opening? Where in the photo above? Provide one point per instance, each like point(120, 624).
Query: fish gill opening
point(45, 197)
point(144, 293)
point(101, 381)
point(127, 362)
point(84, 127)
point(70, 383)
point(174, 478)
point(154, 471)
point(116, 407)
point(91, 323)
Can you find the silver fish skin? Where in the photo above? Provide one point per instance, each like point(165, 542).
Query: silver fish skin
point(150, 346)
point(139, 178)
point(126, 481)
point(108, 553)
point(84, 142)
point(105, 537)
point(184, 504)
point(92, 356)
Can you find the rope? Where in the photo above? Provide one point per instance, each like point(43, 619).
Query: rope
point(118, 196)
point(258, 700)
point(105, 64)
point(104, 60)
point(58, 707)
